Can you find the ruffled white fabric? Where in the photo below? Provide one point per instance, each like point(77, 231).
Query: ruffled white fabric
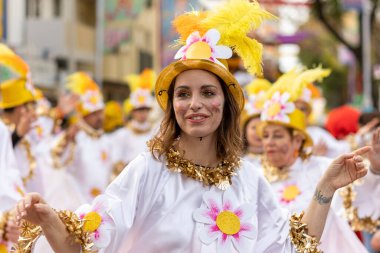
point(152, 210)
point(304, 175)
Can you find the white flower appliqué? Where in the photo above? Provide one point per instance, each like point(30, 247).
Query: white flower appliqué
point(225, 221)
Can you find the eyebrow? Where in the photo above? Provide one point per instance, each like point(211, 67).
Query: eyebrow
point(202, 87)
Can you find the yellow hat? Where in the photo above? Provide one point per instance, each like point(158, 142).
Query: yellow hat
point(256, 92)
point(91, 99)
point(13, 63)
point(15, 92)
point(141, 87)
point(281, 110)
point(113, 116)
point(201, 33)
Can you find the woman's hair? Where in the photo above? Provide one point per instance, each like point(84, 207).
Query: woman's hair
point(229, 143)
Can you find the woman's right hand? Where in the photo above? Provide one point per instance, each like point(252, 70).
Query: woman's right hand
point(34, 209)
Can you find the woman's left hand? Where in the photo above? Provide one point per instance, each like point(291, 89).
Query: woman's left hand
point(12, 231)
point(345, 169)
point(374, 153)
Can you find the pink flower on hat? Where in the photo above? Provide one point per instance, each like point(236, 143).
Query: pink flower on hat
point(278, 108)
point(205, 47)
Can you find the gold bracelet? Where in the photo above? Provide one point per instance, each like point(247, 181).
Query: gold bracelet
point(4, 217)
point(29, 234)
point(74, 226)
point(303, 242)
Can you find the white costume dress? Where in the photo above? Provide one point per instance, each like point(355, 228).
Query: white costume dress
point(296, 192)
point(92, 165)
point(132, 140)
point(11, 187)
point(149, 208)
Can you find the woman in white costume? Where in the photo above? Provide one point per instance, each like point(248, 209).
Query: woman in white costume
point(11, 191)
point(192, 193)
point(292, 173)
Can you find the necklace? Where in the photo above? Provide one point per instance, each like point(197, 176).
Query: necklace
point(272, 173)
point(366, 223)
point(31, 160)
point(94, 133)
point(220, 176)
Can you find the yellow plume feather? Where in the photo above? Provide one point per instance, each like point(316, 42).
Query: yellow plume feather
point(5, 50)
point(234, 20)
point(258, 85)
point(80, 82)
point(188, 23)
point(13, 62)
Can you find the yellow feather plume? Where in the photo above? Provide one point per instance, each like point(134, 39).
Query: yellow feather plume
point(80, 82)
point(234, 20)
point(13, 62)
point(146, 80)
point(258, 85)
point(5, 50)
point(284, 84)
point(188, 23)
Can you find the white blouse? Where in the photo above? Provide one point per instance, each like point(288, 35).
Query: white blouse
point(295, 194)
point(151, 209)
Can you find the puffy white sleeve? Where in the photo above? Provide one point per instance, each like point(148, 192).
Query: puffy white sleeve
point(117, 207)
point(273, 223)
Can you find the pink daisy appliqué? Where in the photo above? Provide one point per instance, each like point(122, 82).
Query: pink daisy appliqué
point(278, 108)
point(225, 222)
point(289, 193)
point(205, 47)
point(97, 221)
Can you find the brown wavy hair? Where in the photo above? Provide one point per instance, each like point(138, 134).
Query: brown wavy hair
point(229, 143)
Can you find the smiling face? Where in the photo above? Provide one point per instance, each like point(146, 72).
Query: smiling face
point(198, 103)
point(280, 147)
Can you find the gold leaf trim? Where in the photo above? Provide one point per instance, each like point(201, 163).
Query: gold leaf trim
point(303, 242)
point(357, 223)
point(219, 176)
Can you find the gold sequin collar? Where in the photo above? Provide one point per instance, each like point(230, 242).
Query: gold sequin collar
point(272, 173)
point(219, 176)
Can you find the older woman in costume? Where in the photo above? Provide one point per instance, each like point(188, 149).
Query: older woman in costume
point(192, 193)
point(291, 171)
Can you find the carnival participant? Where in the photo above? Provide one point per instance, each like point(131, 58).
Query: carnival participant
point(83, 150)
point(11, 191)
point(292, 172)
point(255, 92)
point(193, 175)
point(17, 101)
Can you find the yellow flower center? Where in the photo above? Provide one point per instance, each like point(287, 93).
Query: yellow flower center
point(39, 130)
point(199, 50)
point(274, 109)
point(93, 100)
point(95, 192)
point(3, 248)
point(228, 222)
point(92, 221)
point(141, 99)
point(290, 193)
point(104, 156)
